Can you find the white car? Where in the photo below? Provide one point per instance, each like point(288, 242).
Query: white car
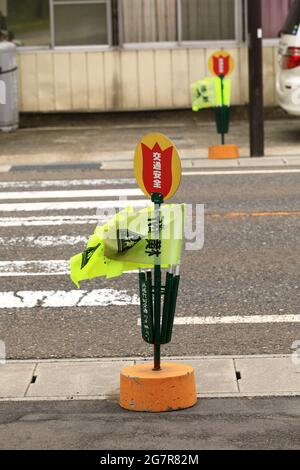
point(288, 78)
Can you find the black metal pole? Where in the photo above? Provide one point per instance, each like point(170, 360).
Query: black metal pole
point(157, 200)
point(256, 116)
point(222, 104)
point(157, 311)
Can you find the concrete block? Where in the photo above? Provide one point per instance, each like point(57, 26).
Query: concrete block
point(15, 379)
point(268, 375)
point(214, 376)
point(71, 379)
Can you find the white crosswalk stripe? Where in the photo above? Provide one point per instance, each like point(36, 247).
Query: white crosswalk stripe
point(63, 206)
point(34, 268)
point(72, 298)
point(50, 220)
point(43, 241)
point(91, 193)
point(47, 267)
point(66, 183)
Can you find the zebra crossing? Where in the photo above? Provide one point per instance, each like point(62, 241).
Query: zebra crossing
point(44, 222)
point(26, 241)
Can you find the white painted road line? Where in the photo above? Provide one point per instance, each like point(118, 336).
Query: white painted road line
point(66, 183)
point(62, 206)
point(51, 220)
point(34, 268)
point(73, 298)
point(47, 267)
point(237, 319)
point(43, 241)
point(240, 172)
point(71, 194)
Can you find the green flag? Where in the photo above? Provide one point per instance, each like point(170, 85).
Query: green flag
point(130, 241)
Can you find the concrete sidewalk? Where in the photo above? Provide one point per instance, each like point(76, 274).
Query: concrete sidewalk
point(93, 379)
point(113, 138)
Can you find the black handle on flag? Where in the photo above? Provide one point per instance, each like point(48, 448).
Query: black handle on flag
point(175, 288)
point(166, 308)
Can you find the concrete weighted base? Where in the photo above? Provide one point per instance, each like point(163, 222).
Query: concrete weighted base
point(171, 388)
point(225, 151)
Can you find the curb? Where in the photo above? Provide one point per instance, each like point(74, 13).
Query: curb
point(190, 162)
point(98, 379)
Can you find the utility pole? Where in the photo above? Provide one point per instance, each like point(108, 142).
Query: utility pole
point(256, 117)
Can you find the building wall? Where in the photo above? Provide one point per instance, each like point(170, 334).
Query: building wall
point(114, 80)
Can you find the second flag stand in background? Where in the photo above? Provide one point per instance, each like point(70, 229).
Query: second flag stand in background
point(215, 92)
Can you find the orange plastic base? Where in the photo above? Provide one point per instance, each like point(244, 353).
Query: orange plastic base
point(171, 388)
point(223, 151)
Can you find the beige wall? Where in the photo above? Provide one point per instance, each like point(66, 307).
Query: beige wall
point(127, 80)
point(3, 7)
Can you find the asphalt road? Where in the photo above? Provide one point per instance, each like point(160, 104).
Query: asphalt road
point(249, 266)
point(271, 423)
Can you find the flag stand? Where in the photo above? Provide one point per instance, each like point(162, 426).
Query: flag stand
point(156, 386)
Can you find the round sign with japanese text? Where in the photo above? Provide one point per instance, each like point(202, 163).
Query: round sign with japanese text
point(157, 166)
point(221, 63)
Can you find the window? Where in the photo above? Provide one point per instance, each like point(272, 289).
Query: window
point(75, 23)
point(274, 13)
point(27, 21)
point(80, 23)
point(57, 22)
point(208, 20)
point(149, 21)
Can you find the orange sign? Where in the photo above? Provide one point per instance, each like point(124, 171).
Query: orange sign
point(221, 63)
point(157, 166)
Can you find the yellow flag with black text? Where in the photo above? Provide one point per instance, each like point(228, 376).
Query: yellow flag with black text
point(132, 240)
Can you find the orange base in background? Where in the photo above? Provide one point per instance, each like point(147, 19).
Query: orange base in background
point(223, 151)
point(171, 388)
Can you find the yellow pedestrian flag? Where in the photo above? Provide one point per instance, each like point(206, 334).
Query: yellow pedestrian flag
point(226, 91)
point(132, 240)
point(207, 93)
point(204, 94)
